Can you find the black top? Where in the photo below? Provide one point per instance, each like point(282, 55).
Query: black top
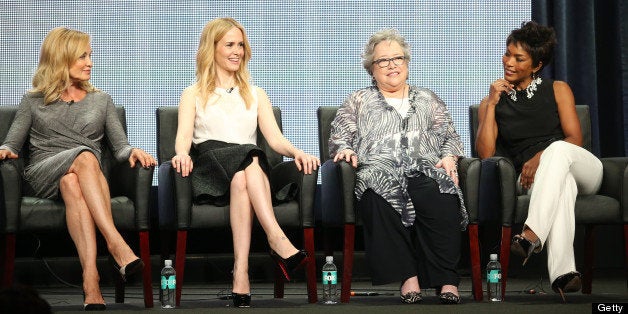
point(527, 125)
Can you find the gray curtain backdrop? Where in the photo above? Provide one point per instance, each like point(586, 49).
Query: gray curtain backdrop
point(592, 56)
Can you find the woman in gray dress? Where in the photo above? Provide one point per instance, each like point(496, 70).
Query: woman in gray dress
point(65, 119)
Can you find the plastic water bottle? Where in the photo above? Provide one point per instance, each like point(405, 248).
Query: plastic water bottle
point(494, 279)
point(330, 279)
point(168, 286)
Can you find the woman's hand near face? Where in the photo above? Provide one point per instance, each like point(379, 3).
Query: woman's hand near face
point(183, 164)
point(145, 159)
point(6, 154)
point(347, 155)
point(450, 164)
point(497, 88)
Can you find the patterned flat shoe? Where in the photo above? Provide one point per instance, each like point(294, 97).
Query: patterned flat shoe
point(449, 298)
point(412, 297)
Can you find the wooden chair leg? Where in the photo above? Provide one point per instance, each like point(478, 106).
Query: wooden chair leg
point(589, 250)
point(504, 256)
point(8, 260)
point(476, 268)
point(146, 273)
point(347, 268)
point(310, 272)
point(182, 237)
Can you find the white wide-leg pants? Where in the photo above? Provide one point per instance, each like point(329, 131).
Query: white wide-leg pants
point(565, 170)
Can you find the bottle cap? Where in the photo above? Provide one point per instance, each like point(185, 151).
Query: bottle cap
point(493, 257)
point(329, 259)
point(168, 262)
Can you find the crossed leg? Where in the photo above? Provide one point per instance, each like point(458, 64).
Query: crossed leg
point(85, 193)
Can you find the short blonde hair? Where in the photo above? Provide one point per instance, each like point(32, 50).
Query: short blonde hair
point(212, 33)
point(59, 51)
point(388, 34)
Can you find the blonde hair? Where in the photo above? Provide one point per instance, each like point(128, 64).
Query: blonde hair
point(212, 33)
point(59, 51)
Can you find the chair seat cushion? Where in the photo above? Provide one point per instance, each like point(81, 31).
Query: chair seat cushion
point(39, 214)
point(590, 209)
point(211, 216)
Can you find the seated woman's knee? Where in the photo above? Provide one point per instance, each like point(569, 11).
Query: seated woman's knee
point(69, 185)
point(86, 160)
point(238, 183)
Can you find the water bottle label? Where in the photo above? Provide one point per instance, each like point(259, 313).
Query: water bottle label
point(330, 277)
point(169, 282)
point(494, 276)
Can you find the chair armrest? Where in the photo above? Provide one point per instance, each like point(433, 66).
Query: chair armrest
point(182, 200)
point(347, 176)
point(285, 173)
point(134, 183)
point(615, 181)
point(10, 194)
point(506, 183)
point(469, 171)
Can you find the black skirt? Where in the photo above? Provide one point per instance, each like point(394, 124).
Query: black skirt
point(215, 164)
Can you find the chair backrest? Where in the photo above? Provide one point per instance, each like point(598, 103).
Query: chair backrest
point(167, 122)
point(583, 115)
point(325, 116)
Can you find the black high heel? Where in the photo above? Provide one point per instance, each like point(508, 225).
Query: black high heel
point(524, 247)
point(127, 270)
point(93, 306)
point(569, 282)
point(241, 299)
point(291, 264)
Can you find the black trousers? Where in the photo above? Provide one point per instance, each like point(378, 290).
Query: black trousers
point(429, 249)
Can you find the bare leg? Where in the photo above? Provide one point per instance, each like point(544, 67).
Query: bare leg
point(83, 232)
point(258, 189)
point(241, 218)
point(95, 191)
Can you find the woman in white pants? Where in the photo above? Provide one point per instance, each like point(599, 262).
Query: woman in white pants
point(534, 122)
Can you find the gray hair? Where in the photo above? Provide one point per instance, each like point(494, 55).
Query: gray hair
point(389, 34)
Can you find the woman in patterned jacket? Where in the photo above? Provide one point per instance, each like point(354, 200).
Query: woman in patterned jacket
point(403, 143)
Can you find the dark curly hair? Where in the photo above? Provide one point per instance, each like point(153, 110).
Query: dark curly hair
point(537, 40)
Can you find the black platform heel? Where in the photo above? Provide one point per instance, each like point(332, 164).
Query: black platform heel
point(524, 247)
point(569, 282)
point(241, 299)
point(291, 264)
point(128, 269)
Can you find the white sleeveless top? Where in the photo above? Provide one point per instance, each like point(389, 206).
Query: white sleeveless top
point(225, 118)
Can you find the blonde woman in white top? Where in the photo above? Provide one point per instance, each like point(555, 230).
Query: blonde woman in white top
point(220, 114)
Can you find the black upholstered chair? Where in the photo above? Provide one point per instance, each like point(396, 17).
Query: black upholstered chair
point(337, 195)
point(130, 189)
point(295, 214)
point(607, 207)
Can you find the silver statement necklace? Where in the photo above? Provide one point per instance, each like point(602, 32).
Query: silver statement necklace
point(529, 90)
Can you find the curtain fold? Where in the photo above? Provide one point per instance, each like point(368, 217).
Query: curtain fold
point(592, 57)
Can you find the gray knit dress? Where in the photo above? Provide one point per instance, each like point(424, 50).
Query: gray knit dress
point(58, 132)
